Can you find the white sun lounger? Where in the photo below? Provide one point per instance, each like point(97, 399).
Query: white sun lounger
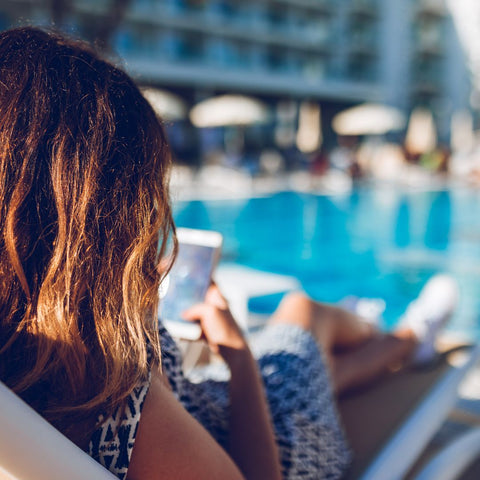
point(454, 459)
point(404, 442)
point(31, 449)
point(409, 432)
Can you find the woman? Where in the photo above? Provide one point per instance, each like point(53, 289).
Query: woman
point(85, 219)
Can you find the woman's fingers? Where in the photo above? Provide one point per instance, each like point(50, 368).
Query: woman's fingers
point(194, 313)
point(215, 297)
point(218, 325)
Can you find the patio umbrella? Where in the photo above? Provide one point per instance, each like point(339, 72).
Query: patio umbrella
point(462, 136)
point(228, 110)
point(167, 105)
point(368, 119)
point(422, 133)
point(309, 134)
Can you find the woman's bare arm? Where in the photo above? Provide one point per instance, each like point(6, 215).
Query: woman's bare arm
point(170, 444)
point(251, 442)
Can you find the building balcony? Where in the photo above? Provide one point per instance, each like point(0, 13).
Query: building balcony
point(228, 9)
point(93, 4)
point(366, 50)
point(326, 7)
point(307, 36)
point(209, 50)
point(361, 71)
point(311, 81)
point(363, 41)
point(429, 37)
point(429, 49)
point(304, 30)
point(427, 82)
point(364, 9)
point(431, 9)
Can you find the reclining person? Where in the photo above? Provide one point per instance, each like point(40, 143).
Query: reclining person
point(85, 215)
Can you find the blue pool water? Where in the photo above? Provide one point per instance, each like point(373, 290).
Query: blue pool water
point(374, 242)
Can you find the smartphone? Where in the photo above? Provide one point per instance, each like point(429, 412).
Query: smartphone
point(188, 280)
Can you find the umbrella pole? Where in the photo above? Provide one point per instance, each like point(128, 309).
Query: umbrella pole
point(234, 142)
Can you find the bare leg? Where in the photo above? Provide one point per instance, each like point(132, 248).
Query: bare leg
point(370, 361)
point(367, 354)
point(331, 326)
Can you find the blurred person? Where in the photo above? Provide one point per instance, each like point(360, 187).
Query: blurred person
point(381, 160)
point(343, 156)
point(319, 162)
point(85, 218)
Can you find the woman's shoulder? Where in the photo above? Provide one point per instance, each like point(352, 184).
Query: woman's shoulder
point(172, 444)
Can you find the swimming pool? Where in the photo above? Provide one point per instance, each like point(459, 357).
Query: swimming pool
point(373, 242)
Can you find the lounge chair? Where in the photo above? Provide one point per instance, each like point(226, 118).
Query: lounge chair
point(388, 425)
point(386, 441)
point(31, 449)
point(455, 459)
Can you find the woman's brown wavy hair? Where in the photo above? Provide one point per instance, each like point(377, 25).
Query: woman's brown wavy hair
point(85, 216)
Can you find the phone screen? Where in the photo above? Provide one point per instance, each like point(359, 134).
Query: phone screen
point(188, 281)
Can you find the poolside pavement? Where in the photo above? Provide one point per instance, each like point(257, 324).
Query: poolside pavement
point(217, 182)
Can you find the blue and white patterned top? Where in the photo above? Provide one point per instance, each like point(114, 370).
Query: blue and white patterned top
point(297, 386)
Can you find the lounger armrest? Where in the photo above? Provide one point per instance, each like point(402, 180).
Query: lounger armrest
point(454, 459)
point(467, 411)
point(405, 446)
point(31, 448)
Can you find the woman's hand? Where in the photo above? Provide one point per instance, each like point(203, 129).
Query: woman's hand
point(220, 330)
point(252, 441)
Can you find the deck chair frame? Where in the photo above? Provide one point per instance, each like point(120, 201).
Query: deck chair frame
point(400, 453)
point(32, 449)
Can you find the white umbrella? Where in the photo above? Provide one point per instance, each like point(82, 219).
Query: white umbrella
point(228, 110)
point(368, 119)
point(462, 135)
point(167, 105)
point(309, 134)
point(421, 134)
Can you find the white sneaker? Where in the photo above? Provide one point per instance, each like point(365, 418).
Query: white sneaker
point(429, 313)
